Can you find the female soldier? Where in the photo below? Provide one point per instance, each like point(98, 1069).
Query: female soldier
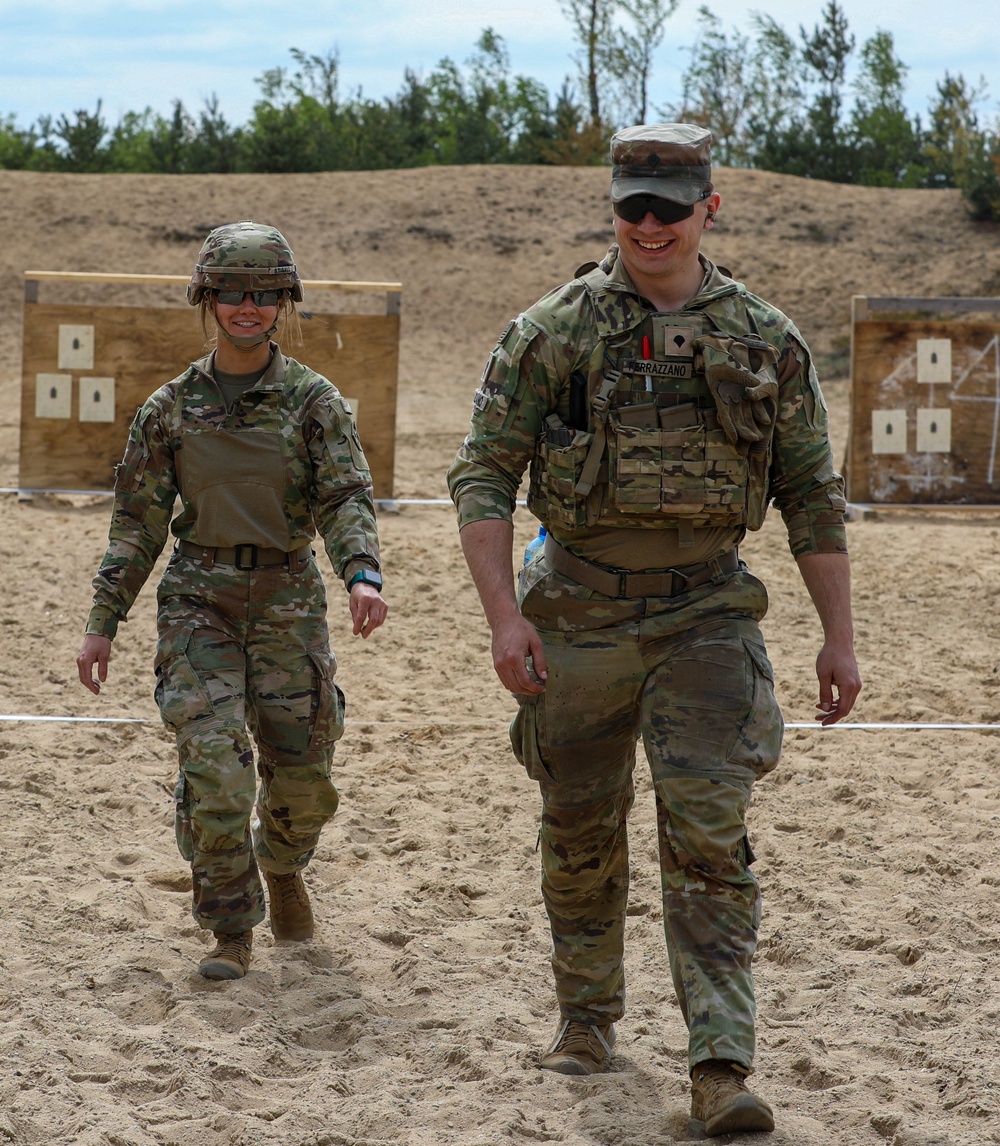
point(262, 452)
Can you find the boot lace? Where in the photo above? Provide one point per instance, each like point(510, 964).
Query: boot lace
point(581, 1039)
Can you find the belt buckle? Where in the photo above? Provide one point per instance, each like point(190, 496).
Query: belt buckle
point(676, 590)
point(239, 557)
point(621, 574)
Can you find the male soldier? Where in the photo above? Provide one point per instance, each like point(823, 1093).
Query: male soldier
point(660, 406)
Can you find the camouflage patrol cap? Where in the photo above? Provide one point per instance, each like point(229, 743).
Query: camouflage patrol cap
point(244, 256)
point(669, 160)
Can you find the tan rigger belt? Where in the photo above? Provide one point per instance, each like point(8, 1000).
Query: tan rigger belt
point(620, 583)
point(245, 556)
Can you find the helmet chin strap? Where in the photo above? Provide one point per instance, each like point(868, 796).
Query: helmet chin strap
point(247, 342)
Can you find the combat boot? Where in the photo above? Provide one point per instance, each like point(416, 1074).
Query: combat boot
point(291, 914)
point(720, 1098)
point(579, 1048)
point(231, 956)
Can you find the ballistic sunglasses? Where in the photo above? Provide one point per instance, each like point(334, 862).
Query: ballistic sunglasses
point(260, 297)
point(636, 207)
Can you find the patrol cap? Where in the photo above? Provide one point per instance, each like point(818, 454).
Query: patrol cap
point(668, 160)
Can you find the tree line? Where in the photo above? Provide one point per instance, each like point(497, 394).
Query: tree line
point(775, 100)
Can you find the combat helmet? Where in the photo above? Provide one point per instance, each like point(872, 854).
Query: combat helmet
point(244, 256)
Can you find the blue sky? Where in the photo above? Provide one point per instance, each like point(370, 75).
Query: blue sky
point(59, 55)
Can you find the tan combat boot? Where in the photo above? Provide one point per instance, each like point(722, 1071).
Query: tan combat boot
point(720, 1098)
point(291, 915)
point(231, 956)
point(579, 1048)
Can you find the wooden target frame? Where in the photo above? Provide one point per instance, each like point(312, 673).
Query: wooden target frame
point(86, 369)
point(924, 402)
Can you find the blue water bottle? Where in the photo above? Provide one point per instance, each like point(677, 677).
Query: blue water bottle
point(535, 545)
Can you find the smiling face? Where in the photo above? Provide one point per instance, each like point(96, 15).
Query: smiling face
point(662, 258)
point(245, 320)
point(245, 329)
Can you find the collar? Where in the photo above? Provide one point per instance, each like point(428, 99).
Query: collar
point(273, 377)
point(713, 280)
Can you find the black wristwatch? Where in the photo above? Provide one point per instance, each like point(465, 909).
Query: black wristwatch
point(366, 577)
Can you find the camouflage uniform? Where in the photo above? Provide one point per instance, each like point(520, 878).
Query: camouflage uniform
point(686, 669)
point(239, 647)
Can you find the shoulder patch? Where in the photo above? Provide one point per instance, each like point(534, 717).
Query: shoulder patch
point(492, 401)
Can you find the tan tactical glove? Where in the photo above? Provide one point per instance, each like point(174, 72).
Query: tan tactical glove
point(747, 404)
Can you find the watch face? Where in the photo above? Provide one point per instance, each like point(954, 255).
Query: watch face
point(368, 577)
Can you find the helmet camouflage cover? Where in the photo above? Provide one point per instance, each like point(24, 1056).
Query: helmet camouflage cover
point(244, 256)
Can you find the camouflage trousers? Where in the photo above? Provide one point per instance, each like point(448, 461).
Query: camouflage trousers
point(246, 654)
point(691, 675)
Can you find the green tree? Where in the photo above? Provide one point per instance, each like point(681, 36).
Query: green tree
point(617, 40)
point(170, 141)
point(750, 94)
point(884, 141)
point(129, 148)
point(716, 88)
point(484, 114)
point(959, 152)
point(81, 145)
point(813, 142)
point(592, 22)
point(953, 129)
point(213, 144)
point(296, 124)
point(777, 78)
point(17, 146)
point(826, 52)
point(631, 55)
point(575, 142)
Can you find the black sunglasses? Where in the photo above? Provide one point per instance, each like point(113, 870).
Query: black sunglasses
point(260, 297)
point(636, 207)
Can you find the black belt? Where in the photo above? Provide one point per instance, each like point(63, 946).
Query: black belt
point(621, 583)
point(245, 556)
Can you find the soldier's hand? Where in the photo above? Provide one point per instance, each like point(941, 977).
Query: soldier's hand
point(95, 650)
point(839, 681)
point(514, 642)
point(368, 610)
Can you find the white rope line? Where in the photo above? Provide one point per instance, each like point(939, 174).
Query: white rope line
point(904, 724)
point(379, 501)
point(80, 719)
point(922, 726)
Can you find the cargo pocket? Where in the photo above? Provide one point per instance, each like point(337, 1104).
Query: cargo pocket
point(527, 737)
point(179, 693)
point(182, 818)
point(758, 745)
point(330, 705)
point(129, 471)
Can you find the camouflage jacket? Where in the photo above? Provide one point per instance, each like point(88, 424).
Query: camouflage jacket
point(322, 479)
point(527, 379)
